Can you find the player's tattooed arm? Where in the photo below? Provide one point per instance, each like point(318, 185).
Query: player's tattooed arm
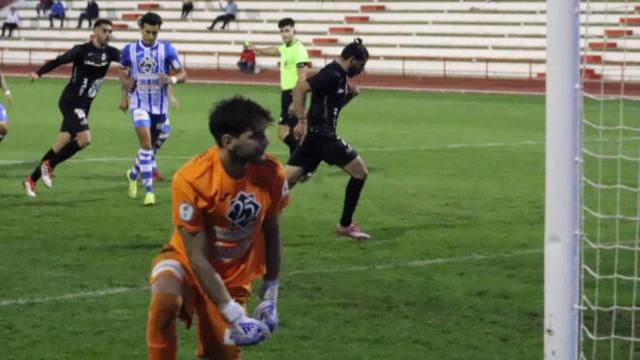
point(299, 94)
point(198, 248)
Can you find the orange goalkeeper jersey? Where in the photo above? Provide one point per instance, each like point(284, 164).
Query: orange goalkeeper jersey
point(230, 211)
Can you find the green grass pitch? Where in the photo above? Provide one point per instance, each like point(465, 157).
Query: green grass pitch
point(454, 203)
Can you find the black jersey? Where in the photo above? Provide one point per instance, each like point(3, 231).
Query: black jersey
point(90, 65)
point(329, 93)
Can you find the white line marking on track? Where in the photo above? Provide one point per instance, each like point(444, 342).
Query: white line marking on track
point(413, 263)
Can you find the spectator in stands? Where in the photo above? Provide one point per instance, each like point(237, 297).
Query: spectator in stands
point(44, 6)
point(230, 12)
point(91, 12)
point(57, 12)
point(12, 22)
point(187, 8)
point(247, 63)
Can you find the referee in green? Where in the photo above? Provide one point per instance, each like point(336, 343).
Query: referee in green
point(294, 61)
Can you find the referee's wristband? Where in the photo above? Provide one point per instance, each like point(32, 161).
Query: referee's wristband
point(174, 80)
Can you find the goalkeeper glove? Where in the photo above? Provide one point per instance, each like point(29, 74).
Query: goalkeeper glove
point(266, 311)
point(242, 330)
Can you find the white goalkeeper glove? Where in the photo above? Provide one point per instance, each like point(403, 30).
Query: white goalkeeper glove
point(266, 311)
point(242, 330)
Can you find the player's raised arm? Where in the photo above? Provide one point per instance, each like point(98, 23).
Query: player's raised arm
point(65, 58)
point(265, 51)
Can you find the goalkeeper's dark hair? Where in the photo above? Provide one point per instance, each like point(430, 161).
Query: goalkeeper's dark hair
point(150, 18)
point(102, 22)
point(236, 115)
point(286, 22)
point(355, 49)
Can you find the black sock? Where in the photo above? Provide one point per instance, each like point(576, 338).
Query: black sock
point(66, 152)
point(351, 197)
point(36, 174)
point(291, 142)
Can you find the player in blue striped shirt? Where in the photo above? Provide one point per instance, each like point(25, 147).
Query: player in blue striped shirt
point(146, 95)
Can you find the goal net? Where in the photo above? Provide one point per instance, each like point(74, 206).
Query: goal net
point(609, 319)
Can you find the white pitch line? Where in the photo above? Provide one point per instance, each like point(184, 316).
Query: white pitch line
point(71, 296)
point(414, 263)
point(381, 149)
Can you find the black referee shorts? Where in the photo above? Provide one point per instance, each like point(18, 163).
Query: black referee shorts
point(318, 147)
point(286, 98)
point(74, 116)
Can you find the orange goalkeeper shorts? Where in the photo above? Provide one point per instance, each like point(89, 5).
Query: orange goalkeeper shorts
point(210, 324)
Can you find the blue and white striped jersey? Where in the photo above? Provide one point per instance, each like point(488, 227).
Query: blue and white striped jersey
point(146, 63)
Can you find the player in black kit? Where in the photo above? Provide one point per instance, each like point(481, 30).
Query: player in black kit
point(91, 61)
point(317, 130)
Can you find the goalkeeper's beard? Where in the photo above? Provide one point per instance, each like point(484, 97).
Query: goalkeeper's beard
point(258, 156)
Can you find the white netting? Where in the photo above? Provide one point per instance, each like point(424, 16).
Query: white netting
point(610, 299)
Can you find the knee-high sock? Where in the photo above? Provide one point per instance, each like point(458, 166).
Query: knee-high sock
point(65, 153)
point(135, 169)
point(162, 340)
point(157, 144)
point(145, 159)
point(351, 197)
point(162, 138)
point(36, 174)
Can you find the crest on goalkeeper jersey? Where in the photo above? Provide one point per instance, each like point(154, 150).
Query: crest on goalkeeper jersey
point(244, 210)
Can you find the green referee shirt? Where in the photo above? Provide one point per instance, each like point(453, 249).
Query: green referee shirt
point(292, 57)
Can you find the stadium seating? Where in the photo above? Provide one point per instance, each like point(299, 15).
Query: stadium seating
point(447, 37)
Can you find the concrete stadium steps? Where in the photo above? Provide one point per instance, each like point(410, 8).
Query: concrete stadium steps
point(511, 34)
point(390, 6)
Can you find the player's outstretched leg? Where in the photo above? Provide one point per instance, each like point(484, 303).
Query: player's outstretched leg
point(64, 154)
point(29, 186)
point(29, 182)
point(145, 158)
point(159, 140)
point(132, 180)
point(164, 307)
point(358, 171)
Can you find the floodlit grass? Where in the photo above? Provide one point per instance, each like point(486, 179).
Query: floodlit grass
point(454, 203)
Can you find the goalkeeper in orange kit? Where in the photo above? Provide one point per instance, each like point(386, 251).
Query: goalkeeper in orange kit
point(226, 204)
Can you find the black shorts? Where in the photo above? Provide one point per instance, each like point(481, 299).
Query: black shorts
point(74, 116)
point(318, 147)
point(286, 98)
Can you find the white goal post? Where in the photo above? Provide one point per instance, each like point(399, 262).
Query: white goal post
point(562, 182)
